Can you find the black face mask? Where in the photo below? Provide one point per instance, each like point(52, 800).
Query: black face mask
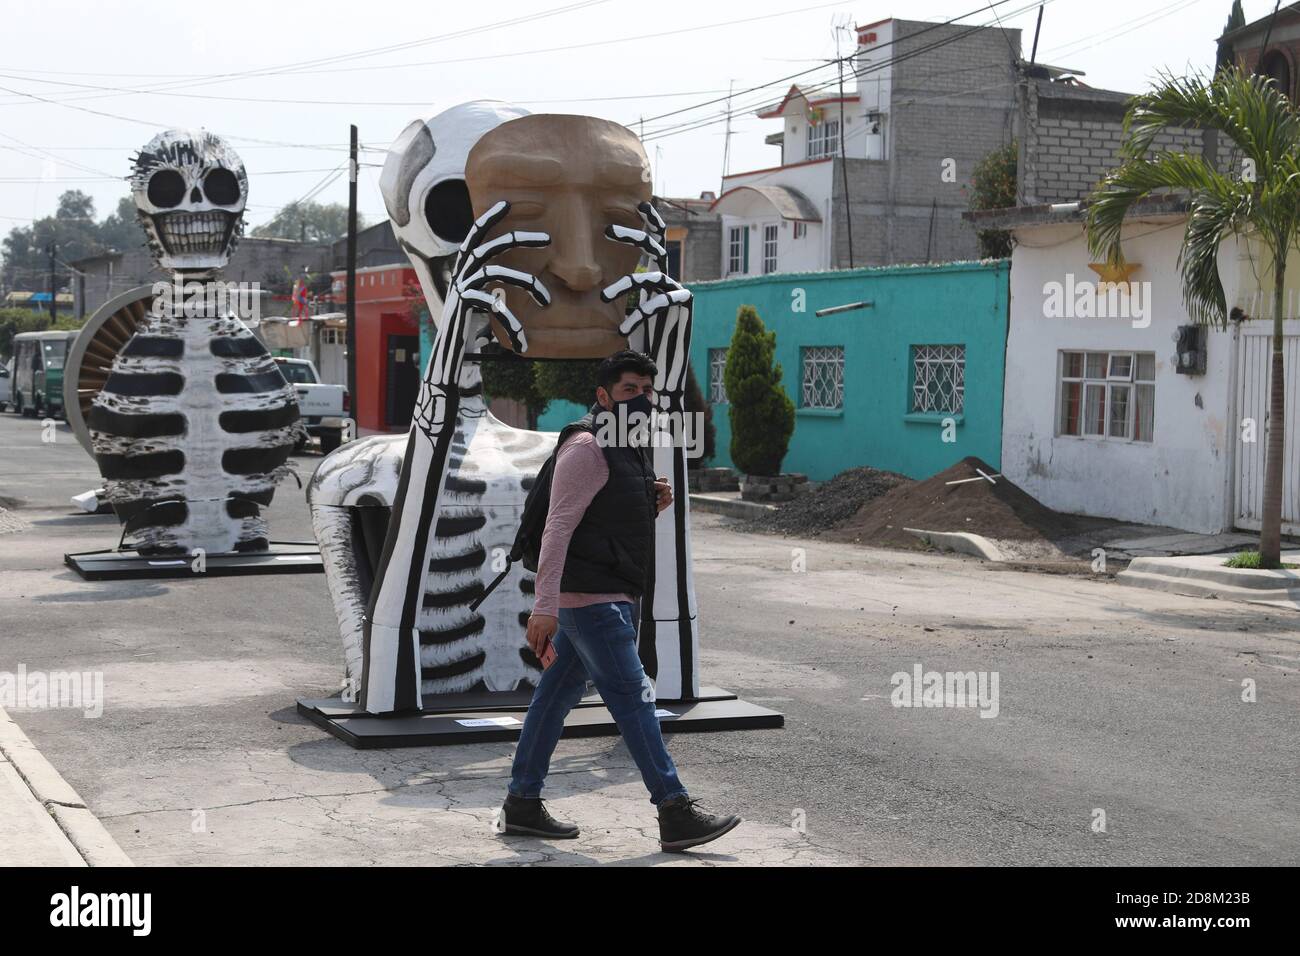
point(638, 403)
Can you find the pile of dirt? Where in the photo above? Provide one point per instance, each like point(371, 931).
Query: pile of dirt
point(831, 503)
point(997, 510)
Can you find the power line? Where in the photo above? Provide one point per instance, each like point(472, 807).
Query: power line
point(691, 125)
point(208, 79)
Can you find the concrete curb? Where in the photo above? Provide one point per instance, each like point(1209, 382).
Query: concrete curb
point(1205, 576)
point(731, 507)
point(80, 826)
point(962, 541)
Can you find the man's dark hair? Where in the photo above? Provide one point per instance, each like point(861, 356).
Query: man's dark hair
point(610, 370)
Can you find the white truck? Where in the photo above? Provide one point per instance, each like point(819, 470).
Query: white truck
point(324, 408)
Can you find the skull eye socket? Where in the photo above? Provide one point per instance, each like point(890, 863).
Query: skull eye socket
point(448, 211)
point(166, 188)
point(221, 186)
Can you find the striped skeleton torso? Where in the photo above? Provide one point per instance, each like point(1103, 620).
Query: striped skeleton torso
point(489, 471)
point(191, 432)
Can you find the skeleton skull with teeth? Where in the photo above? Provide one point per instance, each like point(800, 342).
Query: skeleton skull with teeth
point(423, 185)
point(190, 189)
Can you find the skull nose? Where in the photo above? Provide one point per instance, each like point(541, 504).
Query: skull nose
point(195, 195)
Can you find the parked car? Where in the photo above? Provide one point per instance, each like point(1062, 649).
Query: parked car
point(6, 385)
point(324, 408)
point(37, 380)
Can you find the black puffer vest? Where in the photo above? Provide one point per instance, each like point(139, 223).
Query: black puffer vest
point(613, 545)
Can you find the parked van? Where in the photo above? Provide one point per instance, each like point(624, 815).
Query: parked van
point(37, 380)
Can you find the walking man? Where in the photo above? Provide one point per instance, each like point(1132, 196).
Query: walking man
point(595, 555)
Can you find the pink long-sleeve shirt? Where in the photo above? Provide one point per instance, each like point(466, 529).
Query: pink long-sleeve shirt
point(580, 472)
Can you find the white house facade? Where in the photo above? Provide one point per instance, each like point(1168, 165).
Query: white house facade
point(1099, 420)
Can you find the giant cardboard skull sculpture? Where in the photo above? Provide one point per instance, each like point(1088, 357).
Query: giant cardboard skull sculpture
point(423, 185)
point(190, 190)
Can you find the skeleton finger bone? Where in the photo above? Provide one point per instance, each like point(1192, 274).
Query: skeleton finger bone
point(654, 305)
point(510, 277)
point(497, 306)
point(643, 240)
point(646, 281)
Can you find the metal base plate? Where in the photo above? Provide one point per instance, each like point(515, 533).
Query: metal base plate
point(102, 565)
point(478, 718)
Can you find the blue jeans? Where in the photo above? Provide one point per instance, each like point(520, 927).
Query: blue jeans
point(598, 640)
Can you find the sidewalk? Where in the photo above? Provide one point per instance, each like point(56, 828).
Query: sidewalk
point(42, 820)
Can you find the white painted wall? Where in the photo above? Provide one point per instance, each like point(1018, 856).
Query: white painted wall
point(812, 252)
point(1182, 478)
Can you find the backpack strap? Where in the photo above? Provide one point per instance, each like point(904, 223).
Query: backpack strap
point(473, 605)
point(582, 424)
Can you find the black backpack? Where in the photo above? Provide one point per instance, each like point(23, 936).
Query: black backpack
point(527, 547)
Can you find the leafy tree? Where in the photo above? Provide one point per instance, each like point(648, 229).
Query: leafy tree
point(308, 221)
point(72, 229)
point(1236, 18)
point(516, 378)
point(1263, 207)
point(570, 380)
point(762, 415)
point(14, 321)
point(994, 187)
point(121, 229)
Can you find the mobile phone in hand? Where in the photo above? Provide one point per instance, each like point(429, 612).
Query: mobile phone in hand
point(548, 655)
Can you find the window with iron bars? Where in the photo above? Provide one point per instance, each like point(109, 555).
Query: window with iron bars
point(938, 378)
point(822, 376)
point(717, 366)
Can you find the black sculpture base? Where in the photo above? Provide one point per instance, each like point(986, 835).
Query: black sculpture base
point(299, 557)
point(491, 717)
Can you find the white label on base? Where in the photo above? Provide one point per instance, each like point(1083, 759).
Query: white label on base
point(660, 712)
point(488, 722)
point(160, 564)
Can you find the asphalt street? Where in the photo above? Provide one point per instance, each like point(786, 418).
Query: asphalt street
point(1121, 735)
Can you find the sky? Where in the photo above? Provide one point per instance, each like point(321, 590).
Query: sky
point(83, 85)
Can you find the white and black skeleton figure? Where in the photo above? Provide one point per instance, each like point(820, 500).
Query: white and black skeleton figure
point(413, 528)
point(194, 424)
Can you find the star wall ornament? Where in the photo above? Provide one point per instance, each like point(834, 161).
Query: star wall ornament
point(1116, 274)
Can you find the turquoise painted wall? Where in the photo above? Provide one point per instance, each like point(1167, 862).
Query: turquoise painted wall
point(559, 413)
point(963, 303)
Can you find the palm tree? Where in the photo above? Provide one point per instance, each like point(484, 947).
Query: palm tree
point(1261, 201)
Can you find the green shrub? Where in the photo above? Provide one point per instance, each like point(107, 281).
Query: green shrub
point(762, 415)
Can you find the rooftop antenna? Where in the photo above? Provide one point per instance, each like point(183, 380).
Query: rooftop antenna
point(726, 136)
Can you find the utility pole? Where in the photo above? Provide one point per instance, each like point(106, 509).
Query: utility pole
point(351, 335)
point(54, 307)
point(844, 164)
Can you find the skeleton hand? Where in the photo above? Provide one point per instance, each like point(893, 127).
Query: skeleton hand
point(663, 313)
point(391, 638)
point(467, 294)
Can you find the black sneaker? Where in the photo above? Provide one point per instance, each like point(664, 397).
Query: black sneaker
point(529, 816)
point(682, 824)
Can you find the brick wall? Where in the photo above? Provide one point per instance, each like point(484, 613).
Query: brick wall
point(955, 102)
point(1072, 140)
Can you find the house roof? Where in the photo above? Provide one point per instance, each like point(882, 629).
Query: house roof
point(798, 92)
point(789, 203)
